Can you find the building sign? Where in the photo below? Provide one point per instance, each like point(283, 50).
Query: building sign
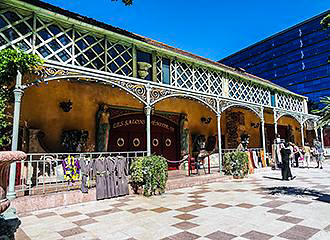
point(130, 122)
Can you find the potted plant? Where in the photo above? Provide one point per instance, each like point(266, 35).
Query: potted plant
point(149, 174)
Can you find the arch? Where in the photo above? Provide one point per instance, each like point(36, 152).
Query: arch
point(131, 88)
point(181, 95)
point(307, 118)
point(253, 109)
point(289, 115)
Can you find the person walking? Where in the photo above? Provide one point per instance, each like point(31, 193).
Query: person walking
point(285, 154)
point(297, 154)
point(307, 157)
point(318, 153)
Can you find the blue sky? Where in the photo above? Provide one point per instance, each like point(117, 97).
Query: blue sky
point(209, 28)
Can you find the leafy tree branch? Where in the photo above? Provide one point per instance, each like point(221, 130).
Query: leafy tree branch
point(11, 60)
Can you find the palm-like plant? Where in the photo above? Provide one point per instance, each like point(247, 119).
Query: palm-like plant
point(324, 112)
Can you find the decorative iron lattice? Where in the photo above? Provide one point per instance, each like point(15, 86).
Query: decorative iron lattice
point(15, 29)
point(309, 118)
point(140, 91)
point(52, 41)
point(89, 50)
point(67, 45)
point(246, 91)
point(278, 113)
point(215, 83)
point(290, 103)
point(184, 75)
point(212, 102)
point(119, 59)
point(201, 79)
point(46, 72)
point(159, 68)
point(60, 43)
point(159, 93)
point(224, 105)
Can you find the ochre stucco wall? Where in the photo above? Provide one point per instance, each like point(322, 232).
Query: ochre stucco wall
point(40, 108)
point(285, 121)
point(249, 118)
point(194, 111)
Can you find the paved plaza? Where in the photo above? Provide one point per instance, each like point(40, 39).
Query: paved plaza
point(260, 207)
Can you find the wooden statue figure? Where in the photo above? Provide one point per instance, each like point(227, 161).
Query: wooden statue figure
point(102, 128)
point(184, 136)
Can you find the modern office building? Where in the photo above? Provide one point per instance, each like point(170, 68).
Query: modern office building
point(296, 58)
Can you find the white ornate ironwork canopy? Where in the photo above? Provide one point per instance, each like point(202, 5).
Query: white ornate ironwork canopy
point(73, 49)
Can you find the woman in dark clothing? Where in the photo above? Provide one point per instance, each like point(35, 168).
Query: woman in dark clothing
point(285, 154)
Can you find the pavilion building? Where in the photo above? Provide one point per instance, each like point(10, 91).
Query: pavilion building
point(141, 92)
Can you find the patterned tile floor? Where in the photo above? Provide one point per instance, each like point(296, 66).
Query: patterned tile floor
point(260, 207)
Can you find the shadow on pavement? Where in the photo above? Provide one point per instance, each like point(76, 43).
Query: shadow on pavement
point(296, 191)
point(273, 178)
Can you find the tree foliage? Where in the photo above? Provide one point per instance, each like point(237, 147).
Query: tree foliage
point(126, 2)
point(10, 61)
point(324, 111)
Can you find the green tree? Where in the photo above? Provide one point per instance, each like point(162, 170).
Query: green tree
point(324, 111)
point(11, 60)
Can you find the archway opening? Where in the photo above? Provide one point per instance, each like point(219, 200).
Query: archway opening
point(289, 129)
point(41, 109)
point(239, 120)
point(197, 127)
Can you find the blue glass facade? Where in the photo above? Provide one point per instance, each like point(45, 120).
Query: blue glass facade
point(296, 58)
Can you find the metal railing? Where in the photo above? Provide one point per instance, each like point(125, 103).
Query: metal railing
point(43, 173)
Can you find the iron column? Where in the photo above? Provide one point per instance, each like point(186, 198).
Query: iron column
point(322, 140)
point(302, 134)
point(219, 135)
point(148, 122)
point(263, 132)
point(18, 93)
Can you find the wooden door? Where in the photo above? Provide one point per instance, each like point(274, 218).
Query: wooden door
point(137, 141)
point(119, 141)
point(156, 143)
point(169, 142)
